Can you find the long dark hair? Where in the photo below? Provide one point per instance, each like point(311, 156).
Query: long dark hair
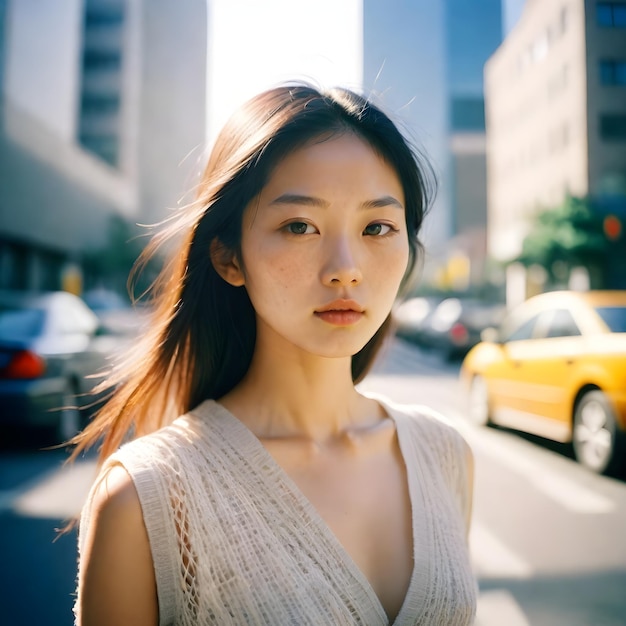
point(201, 339)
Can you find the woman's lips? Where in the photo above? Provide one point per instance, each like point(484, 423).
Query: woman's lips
point(340, 318)
point(341, 312)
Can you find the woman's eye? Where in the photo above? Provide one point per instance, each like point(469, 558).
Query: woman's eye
point(300, 228)
point(377, 229)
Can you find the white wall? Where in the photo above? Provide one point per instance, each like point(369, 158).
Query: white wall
point(42, 56)
point(172, 107)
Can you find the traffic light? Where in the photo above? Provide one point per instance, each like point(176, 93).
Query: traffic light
point(612, 226)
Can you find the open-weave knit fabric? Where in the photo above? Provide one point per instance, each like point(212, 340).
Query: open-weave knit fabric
point(234, 541)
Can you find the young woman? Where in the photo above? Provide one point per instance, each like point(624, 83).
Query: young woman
point(281, 495)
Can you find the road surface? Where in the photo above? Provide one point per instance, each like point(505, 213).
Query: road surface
point(548, 538)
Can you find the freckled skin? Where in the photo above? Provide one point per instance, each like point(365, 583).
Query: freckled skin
point(288, 276)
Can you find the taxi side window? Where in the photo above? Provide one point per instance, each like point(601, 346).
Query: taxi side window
point(525, 331)
point(562, 325)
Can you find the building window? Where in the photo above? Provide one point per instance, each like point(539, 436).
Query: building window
point(613, 126)
point(612, 72)
point(99, 15)
point(100, 104)
point(611, 14)
point(539, 48)
point(468, 114)
point(563, 19)
point(102, 60)
point(106, 146)
point(102, 68)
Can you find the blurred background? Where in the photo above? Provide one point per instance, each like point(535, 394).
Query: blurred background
point(108, 109)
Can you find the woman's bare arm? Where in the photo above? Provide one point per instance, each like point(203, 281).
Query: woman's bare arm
point(116, 581)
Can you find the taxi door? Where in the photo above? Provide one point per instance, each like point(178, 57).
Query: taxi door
point(533, 384)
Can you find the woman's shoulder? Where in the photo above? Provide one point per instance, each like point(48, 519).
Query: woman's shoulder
point(187, 432)
point(429, 433)
point(168, 454)
point(114, 493)
point(114, 547)
point(144, 469)
point(420, 417)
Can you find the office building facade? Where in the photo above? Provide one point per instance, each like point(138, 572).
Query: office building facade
point(96, 117)
point(425, 60)
point(556, 115)
point(473, 33)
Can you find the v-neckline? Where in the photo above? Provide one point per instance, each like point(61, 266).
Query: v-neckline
point(272, 470)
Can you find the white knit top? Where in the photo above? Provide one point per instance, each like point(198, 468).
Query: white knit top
point(235, 542)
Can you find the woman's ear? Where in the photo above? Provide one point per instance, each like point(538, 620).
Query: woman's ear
point(226, 264)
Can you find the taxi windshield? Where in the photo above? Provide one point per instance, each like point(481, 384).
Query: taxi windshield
point(614, 317)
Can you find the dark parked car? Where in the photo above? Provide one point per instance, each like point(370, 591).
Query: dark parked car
point(456, 324)
point(49, 344)
point(116, 313)
point(411, 316)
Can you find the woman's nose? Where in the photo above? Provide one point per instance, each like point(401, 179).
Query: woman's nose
point(341, 267)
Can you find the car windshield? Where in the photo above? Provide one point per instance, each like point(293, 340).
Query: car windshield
point(20, 323)
point(614, 317)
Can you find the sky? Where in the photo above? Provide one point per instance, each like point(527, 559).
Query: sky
point(256, 44)
point(511, 11)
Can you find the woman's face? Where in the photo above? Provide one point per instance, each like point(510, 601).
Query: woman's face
point(325, 247)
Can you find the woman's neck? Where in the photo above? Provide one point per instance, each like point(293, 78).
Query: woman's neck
point(301, 396)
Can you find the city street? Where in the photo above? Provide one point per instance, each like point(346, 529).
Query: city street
point(547, 538)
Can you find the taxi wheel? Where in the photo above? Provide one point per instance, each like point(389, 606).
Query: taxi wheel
point(596, 440)
point(479, 402)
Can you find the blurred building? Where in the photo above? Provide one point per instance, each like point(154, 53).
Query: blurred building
point(404, 68)
point(425, 60)
point(473, 33)
point(100, 110)
point(556, 115)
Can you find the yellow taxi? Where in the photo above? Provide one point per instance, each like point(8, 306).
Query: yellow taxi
point(556, 368)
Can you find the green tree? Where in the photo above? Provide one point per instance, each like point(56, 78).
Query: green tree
point(568, 236)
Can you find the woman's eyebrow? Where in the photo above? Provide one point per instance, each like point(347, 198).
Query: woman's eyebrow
point(383, 202)
point(294, 198)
